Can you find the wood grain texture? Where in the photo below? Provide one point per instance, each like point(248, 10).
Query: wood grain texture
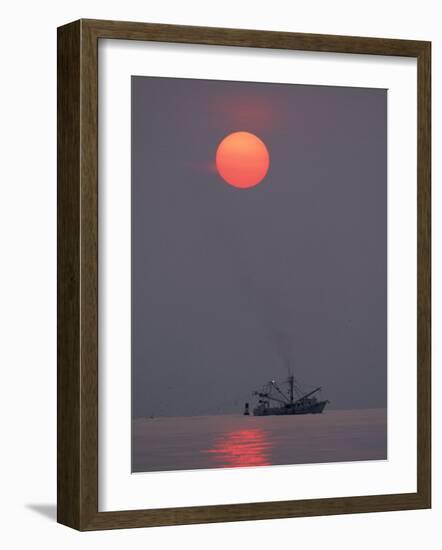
point(68, 275)
point(77, 223)
point(253, 38)
point(424, 275)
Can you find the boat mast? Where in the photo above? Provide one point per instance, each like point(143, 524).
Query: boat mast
point(291, 382)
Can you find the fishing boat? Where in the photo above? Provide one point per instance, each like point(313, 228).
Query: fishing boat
point(289, 401)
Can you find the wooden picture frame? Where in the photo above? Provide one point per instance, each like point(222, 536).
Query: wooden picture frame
point(77, 461)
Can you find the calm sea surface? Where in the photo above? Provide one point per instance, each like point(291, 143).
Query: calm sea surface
point(232, 441)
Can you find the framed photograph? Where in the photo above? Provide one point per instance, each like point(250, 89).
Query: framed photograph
point(243, 274)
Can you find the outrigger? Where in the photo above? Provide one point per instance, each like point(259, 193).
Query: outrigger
point(292, 402)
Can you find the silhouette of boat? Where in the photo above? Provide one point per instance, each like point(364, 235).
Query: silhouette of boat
point(291, 401)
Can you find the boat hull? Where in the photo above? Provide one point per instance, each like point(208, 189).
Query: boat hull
point(312, 408)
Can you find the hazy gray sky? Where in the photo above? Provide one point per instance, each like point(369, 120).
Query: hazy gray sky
point(231, 286)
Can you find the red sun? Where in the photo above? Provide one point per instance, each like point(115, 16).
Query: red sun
point(242, 159)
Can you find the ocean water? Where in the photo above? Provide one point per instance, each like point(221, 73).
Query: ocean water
point(233, 441)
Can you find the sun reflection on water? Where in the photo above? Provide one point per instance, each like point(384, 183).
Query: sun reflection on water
point(241, 448)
